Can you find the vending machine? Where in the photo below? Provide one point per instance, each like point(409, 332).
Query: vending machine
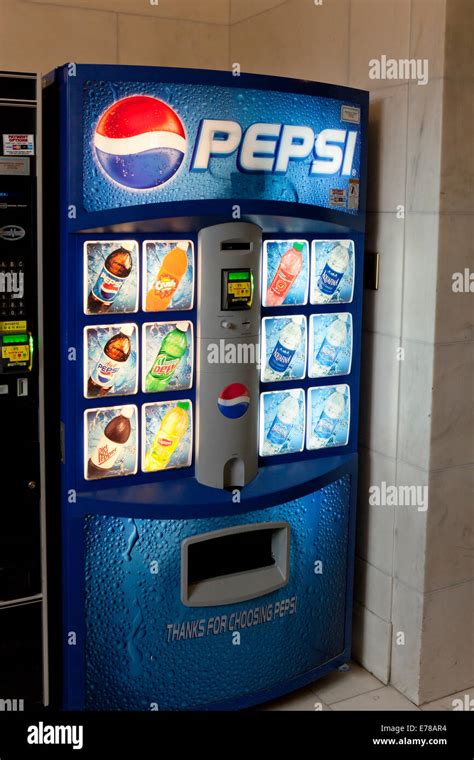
point(22, 519)
point(204, 239)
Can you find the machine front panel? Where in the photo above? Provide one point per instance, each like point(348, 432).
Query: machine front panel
point(147, 650)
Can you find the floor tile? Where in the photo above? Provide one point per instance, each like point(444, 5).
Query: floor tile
point(341, 685)
point(303, 699)
point(386, 698)
point(466, 697)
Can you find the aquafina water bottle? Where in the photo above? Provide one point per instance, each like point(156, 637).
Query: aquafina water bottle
point(283, 351)
point(330, 417)
point(334, 340)
point(333, 272)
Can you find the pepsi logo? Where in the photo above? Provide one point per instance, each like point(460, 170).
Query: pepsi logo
point(234, 400)
point(140, 142)
point(109, 289)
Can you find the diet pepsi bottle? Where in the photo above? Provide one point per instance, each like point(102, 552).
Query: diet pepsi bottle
point(284, 351)
point(334, 340)
point(333, 272)
point(282, 425)
point(117, 267)
point(330, 417)
point(113, 439)
point(114, 356)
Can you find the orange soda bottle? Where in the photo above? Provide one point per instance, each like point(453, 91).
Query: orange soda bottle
point(172, 428)
point(169, 276)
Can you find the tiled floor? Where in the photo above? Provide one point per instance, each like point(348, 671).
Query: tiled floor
point(355, 689)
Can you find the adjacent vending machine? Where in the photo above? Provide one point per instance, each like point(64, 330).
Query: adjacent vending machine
point(203, 279)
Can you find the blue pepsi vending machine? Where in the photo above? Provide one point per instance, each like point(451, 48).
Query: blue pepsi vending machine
point(208, 231)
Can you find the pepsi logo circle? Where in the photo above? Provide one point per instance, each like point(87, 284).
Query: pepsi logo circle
point(140, 142)
point(109, 289)
point(234, 400)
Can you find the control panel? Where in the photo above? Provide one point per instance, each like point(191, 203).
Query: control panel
point(237, 289)
point(228, 323)
point(16, 353)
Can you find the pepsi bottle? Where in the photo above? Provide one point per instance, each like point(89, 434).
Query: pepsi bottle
point(115, 354)
point(116, 269)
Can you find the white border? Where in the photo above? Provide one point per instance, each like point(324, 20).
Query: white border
point(145, 358)
point(263, 355)
point(86, 439)
point(262, 421)
point(289, 241)
point(311, 351)
point(85, 277)
point(309, 425)
point(313, 271)
point(143, 436)
point(85, 370)
point(172, 243)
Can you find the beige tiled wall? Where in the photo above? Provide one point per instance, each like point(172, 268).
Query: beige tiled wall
point(293, 38)
point(164, 42)
point(38, 35)
point(210, 11)
point(377, 27)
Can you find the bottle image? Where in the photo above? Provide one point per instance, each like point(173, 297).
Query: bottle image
point(169, 276)
point(291, 264)
point(172, 428)
point(284, 351)
point(112, 361)
point(330, 416)
point(335, 338)
point(171, 352)
point(282, 425)
point(333, 272)
point(115, 436)
point(117, 267)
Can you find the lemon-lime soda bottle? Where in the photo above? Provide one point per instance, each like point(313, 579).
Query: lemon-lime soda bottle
point(169, 356)
point(172, 429)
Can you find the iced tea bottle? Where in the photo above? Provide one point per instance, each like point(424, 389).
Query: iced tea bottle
point(172, 428)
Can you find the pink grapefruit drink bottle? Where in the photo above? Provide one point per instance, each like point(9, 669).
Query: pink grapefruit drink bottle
point(288, 270)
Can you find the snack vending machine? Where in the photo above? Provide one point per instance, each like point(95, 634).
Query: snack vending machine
point(207, 235)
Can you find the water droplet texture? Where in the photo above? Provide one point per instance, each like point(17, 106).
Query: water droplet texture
point(131, 657)
point(223, 180)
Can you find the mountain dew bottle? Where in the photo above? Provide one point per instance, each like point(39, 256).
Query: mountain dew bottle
point(169, 356)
